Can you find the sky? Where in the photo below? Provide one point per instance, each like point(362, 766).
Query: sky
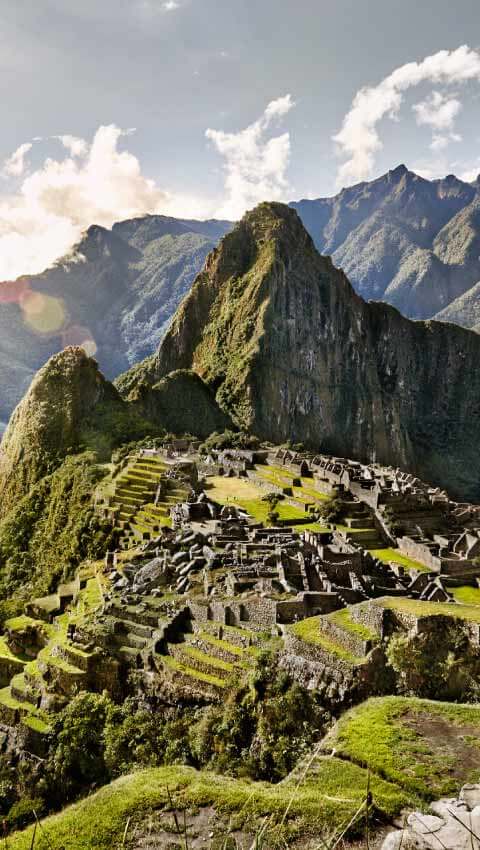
point(203, 108)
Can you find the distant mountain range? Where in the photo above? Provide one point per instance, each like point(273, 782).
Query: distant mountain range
point(411, 242)
point(117, 289)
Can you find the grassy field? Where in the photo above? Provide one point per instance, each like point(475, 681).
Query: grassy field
point(395, 555)
point(466, 595)
point(428, 748)
point(320, 806)
point(245, 494)
point(470, 613)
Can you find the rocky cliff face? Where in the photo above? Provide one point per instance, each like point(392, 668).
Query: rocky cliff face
point(292, 352)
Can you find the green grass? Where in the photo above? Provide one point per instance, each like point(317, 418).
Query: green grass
point(210, 660)
point(22, 622)
point(6, 652)
point(395, 555)
point(46, 655)
point(207, 678)
point(342, 618)
point(466, 595)
point(470, 613)
point(9, 701)
point(324, 802)
point(309, 631)
point(431, 763)
point(36, 724)
point(224, 645)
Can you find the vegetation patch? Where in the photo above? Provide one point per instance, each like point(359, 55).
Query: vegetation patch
point(309, 630)
point(50, 532)
point(343, 619)
point(427, 748)
point(469, 613)
point(395, 555)
point(321, 804)
point(466, 595)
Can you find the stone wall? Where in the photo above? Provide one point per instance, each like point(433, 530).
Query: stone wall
point(419, 551)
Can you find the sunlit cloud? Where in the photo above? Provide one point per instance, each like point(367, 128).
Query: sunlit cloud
point(255, 163)
point(359, 140)
point(93, 183)
point(15, 165)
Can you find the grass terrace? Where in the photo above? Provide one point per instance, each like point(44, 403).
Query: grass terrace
point(244, 494)
point(342, 618)
point(470, 613)
point(466, 595)
point(192, 672)
point(396, 556)
point(309, 631)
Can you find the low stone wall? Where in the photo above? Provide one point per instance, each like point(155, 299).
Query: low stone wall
point(371, 615)
point(349, 640)
point(253, 613)
point(419, 552)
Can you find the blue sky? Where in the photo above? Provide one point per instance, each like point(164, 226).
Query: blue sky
point(175, 69)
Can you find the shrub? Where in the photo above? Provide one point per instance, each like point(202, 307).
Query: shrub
point(229, 440)
point(439, 663)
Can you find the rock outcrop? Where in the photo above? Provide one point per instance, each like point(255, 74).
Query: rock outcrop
point(292, 353)
point(453, 825)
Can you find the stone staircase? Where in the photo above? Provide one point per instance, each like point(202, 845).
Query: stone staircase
point(362, 531)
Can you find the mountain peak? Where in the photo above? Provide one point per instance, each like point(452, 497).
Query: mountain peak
point(48, 422)
point(398, 172)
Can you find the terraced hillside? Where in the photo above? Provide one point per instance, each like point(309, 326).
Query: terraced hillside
point(40, 667)
point(212, 656)
point(141, 497)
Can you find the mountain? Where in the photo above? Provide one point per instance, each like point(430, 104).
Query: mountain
point(411, 242)
point(116, 292)
point(293, 353)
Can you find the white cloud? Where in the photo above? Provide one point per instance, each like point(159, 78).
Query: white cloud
point(14, 166)
point(255, 165)
point(170, 5)
point(359, 139)
point(95, 183)
point(439, 112)
point(76, 146)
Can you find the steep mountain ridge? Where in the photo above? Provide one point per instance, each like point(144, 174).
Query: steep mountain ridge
point(292, 352)
point(402, 239)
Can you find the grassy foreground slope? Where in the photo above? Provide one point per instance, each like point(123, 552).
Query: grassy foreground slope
point(428, 748)
point(320, 805)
